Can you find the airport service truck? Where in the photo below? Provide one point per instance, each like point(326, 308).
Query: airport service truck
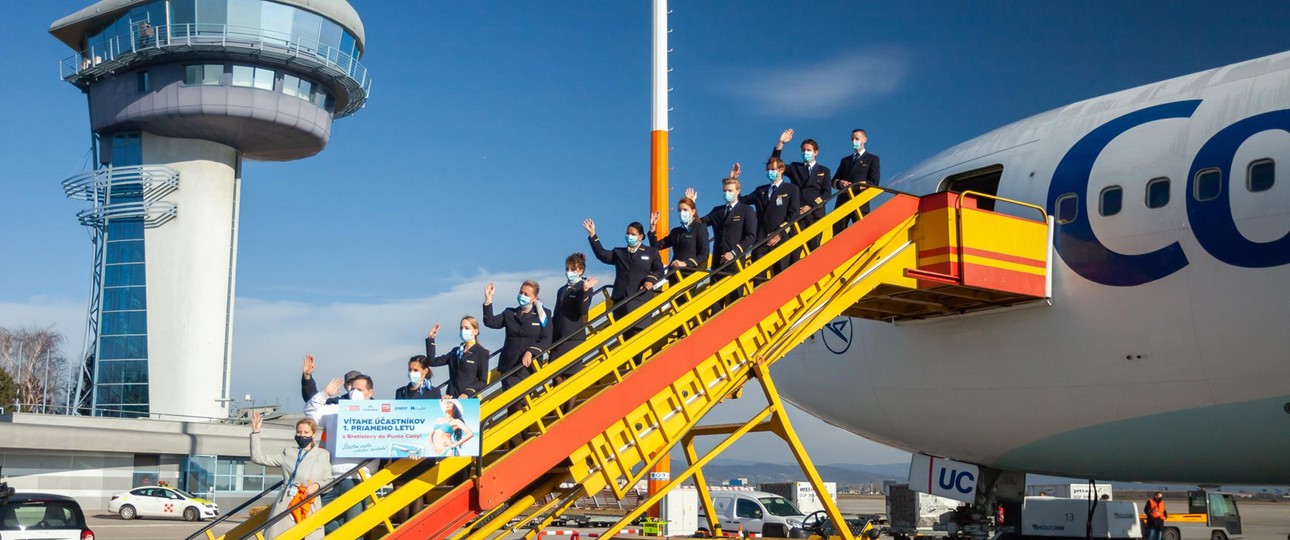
point(801, 494)
point(911, 514)
point(1053, 517)
point(1210, 515)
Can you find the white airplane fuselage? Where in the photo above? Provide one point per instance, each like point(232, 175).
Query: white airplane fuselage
point(1165, 353)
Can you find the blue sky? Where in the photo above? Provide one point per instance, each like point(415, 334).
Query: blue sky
point(494, 128)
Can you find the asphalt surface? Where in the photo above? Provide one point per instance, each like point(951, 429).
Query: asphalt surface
point(1262, 521)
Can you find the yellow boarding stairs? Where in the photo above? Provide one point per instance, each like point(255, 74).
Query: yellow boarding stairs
point(704, 337)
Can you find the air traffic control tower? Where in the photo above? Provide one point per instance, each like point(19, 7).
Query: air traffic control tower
point(180, 93)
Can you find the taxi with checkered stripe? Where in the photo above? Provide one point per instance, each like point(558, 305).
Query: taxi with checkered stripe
point(161, 501)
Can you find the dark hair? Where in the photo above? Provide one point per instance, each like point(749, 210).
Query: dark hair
point(370, 386)
point(813, 144)
point(637, 225)
point(688, 202)
point(860, 131)
point(420, 359)
point(576, 260)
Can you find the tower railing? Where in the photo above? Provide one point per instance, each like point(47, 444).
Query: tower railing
point(300, 52)
point(151, 182)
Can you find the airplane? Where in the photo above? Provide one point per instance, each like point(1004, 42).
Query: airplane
point(1162, 354)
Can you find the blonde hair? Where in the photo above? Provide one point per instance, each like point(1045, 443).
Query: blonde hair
point(313, 426)
point(729, 181)
point(533, 284)
point(474, 323)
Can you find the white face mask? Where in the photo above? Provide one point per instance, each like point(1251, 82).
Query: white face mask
point(573, 276)
point(467, 335)
point(357, 394)
point(414, 377)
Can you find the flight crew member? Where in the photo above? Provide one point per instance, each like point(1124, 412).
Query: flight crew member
point(418, 386)
point(572, 302)
point(528, 332)
point(1156, 516)
point(467, 363)
point(688, 241)
point(858, 169)
point(810, 177)
point(636, 267)
point(734, 224)
point(777, 203)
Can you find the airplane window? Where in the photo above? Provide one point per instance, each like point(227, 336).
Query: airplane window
point(1067, 208)
point(1111, 201)
point(1261, 175)
point(1209, 184)
point(1157, 192)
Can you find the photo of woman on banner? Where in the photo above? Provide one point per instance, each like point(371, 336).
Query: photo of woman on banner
point(451, 431)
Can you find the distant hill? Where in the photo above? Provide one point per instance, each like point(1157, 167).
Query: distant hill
point(722, 470)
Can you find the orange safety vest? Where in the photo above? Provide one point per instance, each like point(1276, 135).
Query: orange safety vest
point(1156, 509)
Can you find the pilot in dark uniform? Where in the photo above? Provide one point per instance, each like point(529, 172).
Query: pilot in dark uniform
point(860, 168)
point(776, 203)
point(572, 302)
point(528, 332)
point(811, 178)
point(467, 363)
point(636, 267)
point(688, 241)
point(734, 224)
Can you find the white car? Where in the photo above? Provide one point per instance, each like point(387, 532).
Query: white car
point(41, 516)
point(161, 501)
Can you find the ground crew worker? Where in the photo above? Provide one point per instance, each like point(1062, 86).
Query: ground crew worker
point(776, 203)
point(688, 241)
point(467, 363)
point(811, 178)
point(1156, 516)
point(528, 332)
point(636, 267)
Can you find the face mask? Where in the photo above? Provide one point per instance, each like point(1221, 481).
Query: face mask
point(573, 276)
point(303, 441)
point(856, 145)
point(467, 335)
point(523, 300)
point(807, 155)
point(632, 240)
point(356, 394)
point(686, 216)
point(772, 175)
point(730, 196)
point(414, 377)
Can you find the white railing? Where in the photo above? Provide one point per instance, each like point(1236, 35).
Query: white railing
point(123, 49)
point(153, 182)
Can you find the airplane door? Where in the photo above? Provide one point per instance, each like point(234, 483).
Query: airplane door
point(984, 180)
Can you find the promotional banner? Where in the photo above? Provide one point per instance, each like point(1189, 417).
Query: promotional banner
point(408, 428)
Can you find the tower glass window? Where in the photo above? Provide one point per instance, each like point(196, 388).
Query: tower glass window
point(209, 74)
point(121, 373)
point(256, 77)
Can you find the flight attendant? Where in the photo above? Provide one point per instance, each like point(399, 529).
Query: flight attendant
point(572, 302)
point(776, 203)
point(467, 363)
point(636, 267)
point(688, 241)
point(528, 332)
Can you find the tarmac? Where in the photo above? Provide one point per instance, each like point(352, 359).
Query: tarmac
point(1261, 521)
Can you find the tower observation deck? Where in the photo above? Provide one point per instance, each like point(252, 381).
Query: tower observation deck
point(180, 92)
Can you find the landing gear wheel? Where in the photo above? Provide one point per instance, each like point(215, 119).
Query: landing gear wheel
point(190, 514)
point(127, 512)
point(1171, 534)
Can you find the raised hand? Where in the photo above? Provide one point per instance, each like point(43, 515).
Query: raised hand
point(590, 226)
point(434, 331)
point(691, 194)
point(786, 136)
point(653, 220)
point(334, 386)
point(590, 283)
point(734, 170)
point(308, 367)
point(256, 421)
point(488, 293)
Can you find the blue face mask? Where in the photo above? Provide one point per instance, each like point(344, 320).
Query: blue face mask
point(573, 276)
point(467, 335)
point(632, 240)
point(730, 196)
point(772, 175)
point(856, 145)
point(686, 216)
point(523, 300)
point(807, 156)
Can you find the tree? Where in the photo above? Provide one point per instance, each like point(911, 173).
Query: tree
point(8, 390)
point(31, 358)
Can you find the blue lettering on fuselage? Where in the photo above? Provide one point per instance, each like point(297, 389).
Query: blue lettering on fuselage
point(1211, 221)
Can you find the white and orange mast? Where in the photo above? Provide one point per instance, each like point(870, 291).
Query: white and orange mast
point(658, 196)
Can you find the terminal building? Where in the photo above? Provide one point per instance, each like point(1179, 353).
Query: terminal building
point(180, 93)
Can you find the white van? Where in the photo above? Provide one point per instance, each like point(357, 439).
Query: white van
point(759, 512)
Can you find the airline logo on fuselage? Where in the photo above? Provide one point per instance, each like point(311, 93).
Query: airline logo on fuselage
point(1210, 221)
point(837, 335)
